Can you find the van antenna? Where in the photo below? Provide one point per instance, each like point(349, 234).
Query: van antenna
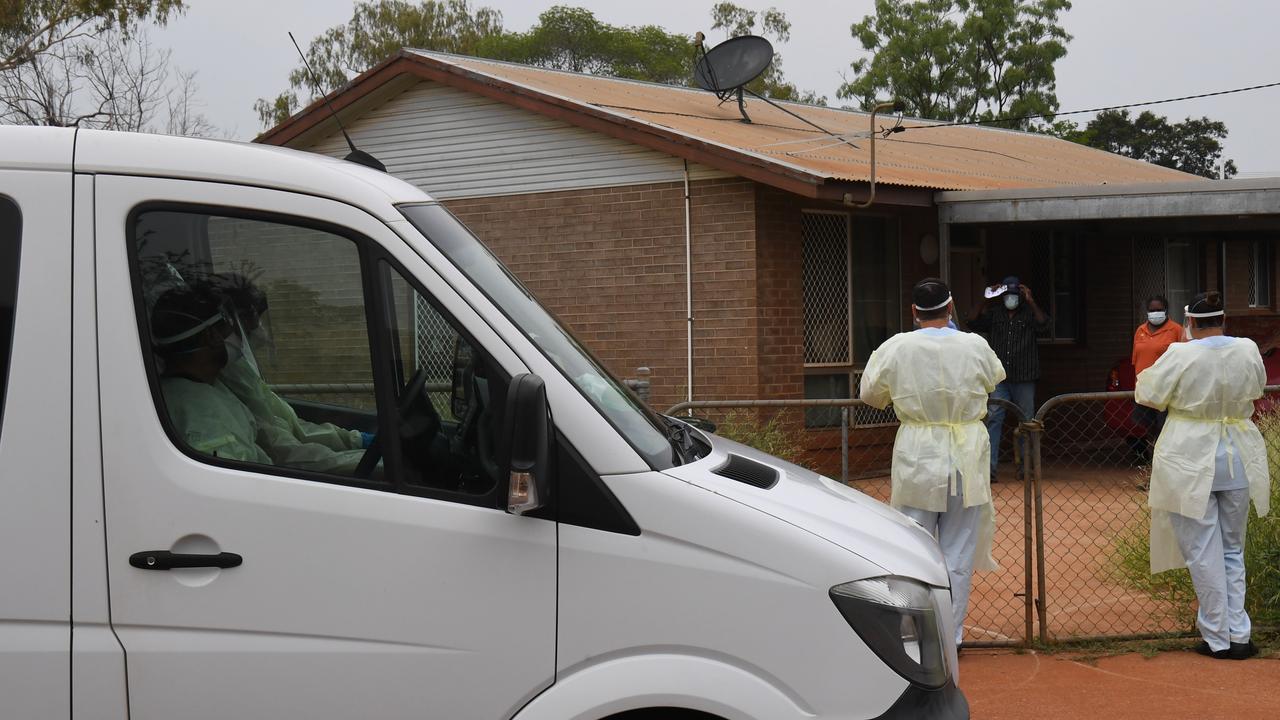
point(356, 155)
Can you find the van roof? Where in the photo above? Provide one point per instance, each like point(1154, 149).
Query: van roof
point(149, 155)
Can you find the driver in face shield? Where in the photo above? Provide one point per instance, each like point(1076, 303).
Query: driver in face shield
point(243, 377)
point(189, 328)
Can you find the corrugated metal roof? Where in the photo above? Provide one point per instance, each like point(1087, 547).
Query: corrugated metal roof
point(943, 158)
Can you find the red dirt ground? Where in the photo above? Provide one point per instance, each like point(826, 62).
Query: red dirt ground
point(1003, 685)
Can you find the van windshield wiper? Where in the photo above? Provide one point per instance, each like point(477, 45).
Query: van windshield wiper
point(681, 439)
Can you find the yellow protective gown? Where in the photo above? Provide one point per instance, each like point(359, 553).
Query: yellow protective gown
point(1208, 387)
point(938, 381)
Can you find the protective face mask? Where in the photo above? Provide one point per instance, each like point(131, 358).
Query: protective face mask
point(1157, 318)
point(1011, 302)
point(1186, 332)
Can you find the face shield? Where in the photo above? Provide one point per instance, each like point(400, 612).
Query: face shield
point(253, 328)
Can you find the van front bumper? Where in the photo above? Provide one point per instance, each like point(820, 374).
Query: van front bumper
point(945, 703)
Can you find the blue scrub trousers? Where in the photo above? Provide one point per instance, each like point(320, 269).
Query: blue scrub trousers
point(1022, 394)
point(1214, 549)
point(956, 530)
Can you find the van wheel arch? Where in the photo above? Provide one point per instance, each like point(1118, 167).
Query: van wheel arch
point(664, 713)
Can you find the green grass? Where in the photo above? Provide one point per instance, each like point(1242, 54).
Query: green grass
point(776, 436)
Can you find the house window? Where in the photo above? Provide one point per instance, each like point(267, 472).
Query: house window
point(851, 305)
point(1182, 273)
point(1260, 271)
point(877, 311)
point(827, 337)
point(1057, 285)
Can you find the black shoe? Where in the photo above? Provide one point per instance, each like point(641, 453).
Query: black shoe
point(994, 478)
point(1242, 651)
point(1204, 649)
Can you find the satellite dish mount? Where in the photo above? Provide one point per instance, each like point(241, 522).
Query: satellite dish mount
point(725, 68)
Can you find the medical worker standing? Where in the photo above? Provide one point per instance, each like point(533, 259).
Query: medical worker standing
point(938, 380)
point(1209, 460)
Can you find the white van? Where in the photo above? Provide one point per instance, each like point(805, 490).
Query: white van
point(389, 485)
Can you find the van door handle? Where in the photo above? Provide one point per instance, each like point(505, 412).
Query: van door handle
point(165, 560)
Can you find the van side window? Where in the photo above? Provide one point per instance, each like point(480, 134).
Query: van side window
point(259, 341)
point(10, 234)
point(297, 350)
point(452, 397)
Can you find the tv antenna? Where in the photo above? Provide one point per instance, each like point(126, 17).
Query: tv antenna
point(725, 68)
point(356, 155)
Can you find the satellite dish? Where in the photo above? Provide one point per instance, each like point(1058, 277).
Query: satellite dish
point(725, 68)
point(733, 63)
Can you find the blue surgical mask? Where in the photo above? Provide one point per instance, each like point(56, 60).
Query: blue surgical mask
point(1157, 318)
point(1011, 302)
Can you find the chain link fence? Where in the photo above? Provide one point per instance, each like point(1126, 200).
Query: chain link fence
point(1092, 454)
point(1072, 517)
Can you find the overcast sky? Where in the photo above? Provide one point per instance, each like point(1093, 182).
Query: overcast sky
point(1123, 51)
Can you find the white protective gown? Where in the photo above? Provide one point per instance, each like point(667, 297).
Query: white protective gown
point(1208, 387)
point(938, 381)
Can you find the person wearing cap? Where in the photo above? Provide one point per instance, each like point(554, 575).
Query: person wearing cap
point(938, 380)
point(1150, 341)
point(192, 328)
point(1010, 319)
point(1209, 460)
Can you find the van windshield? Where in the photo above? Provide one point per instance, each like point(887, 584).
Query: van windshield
point(647, 432)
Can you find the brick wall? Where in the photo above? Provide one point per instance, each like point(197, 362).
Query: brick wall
point(610, 262)
point(779, 342)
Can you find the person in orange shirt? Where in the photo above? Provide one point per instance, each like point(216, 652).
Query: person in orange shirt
point(1150, 341)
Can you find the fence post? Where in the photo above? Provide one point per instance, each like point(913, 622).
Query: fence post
point(1033, 596)
point(1033, 498)
point(844, 445)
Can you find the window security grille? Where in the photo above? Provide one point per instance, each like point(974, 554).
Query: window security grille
point(827, 337)
point(433, 342)
point(1259, 274)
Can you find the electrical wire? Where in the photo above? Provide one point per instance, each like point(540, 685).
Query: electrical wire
point(993, 121)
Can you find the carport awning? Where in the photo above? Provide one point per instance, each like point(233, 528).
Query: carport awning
point(1200, 198)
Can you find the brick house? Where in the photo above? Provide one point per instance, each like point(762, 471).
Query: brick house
point(730, 257)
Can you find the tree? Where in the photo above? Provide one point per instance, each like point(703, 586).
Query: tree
point(737, 21)
point(111, 80)
point(961, 60)
point(574, 39)
point(564, 38)
point(1193, 145)
point(377, 29)
point(31, 28)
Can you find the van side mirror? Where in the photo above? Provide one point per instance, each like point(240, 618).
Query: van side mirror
point(526, 431)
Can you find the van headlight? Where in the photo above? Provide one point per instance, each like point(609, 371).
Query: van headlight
point(896, 617)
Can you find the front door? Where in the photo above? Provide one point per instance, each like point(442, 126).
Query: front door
point(352, 558)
